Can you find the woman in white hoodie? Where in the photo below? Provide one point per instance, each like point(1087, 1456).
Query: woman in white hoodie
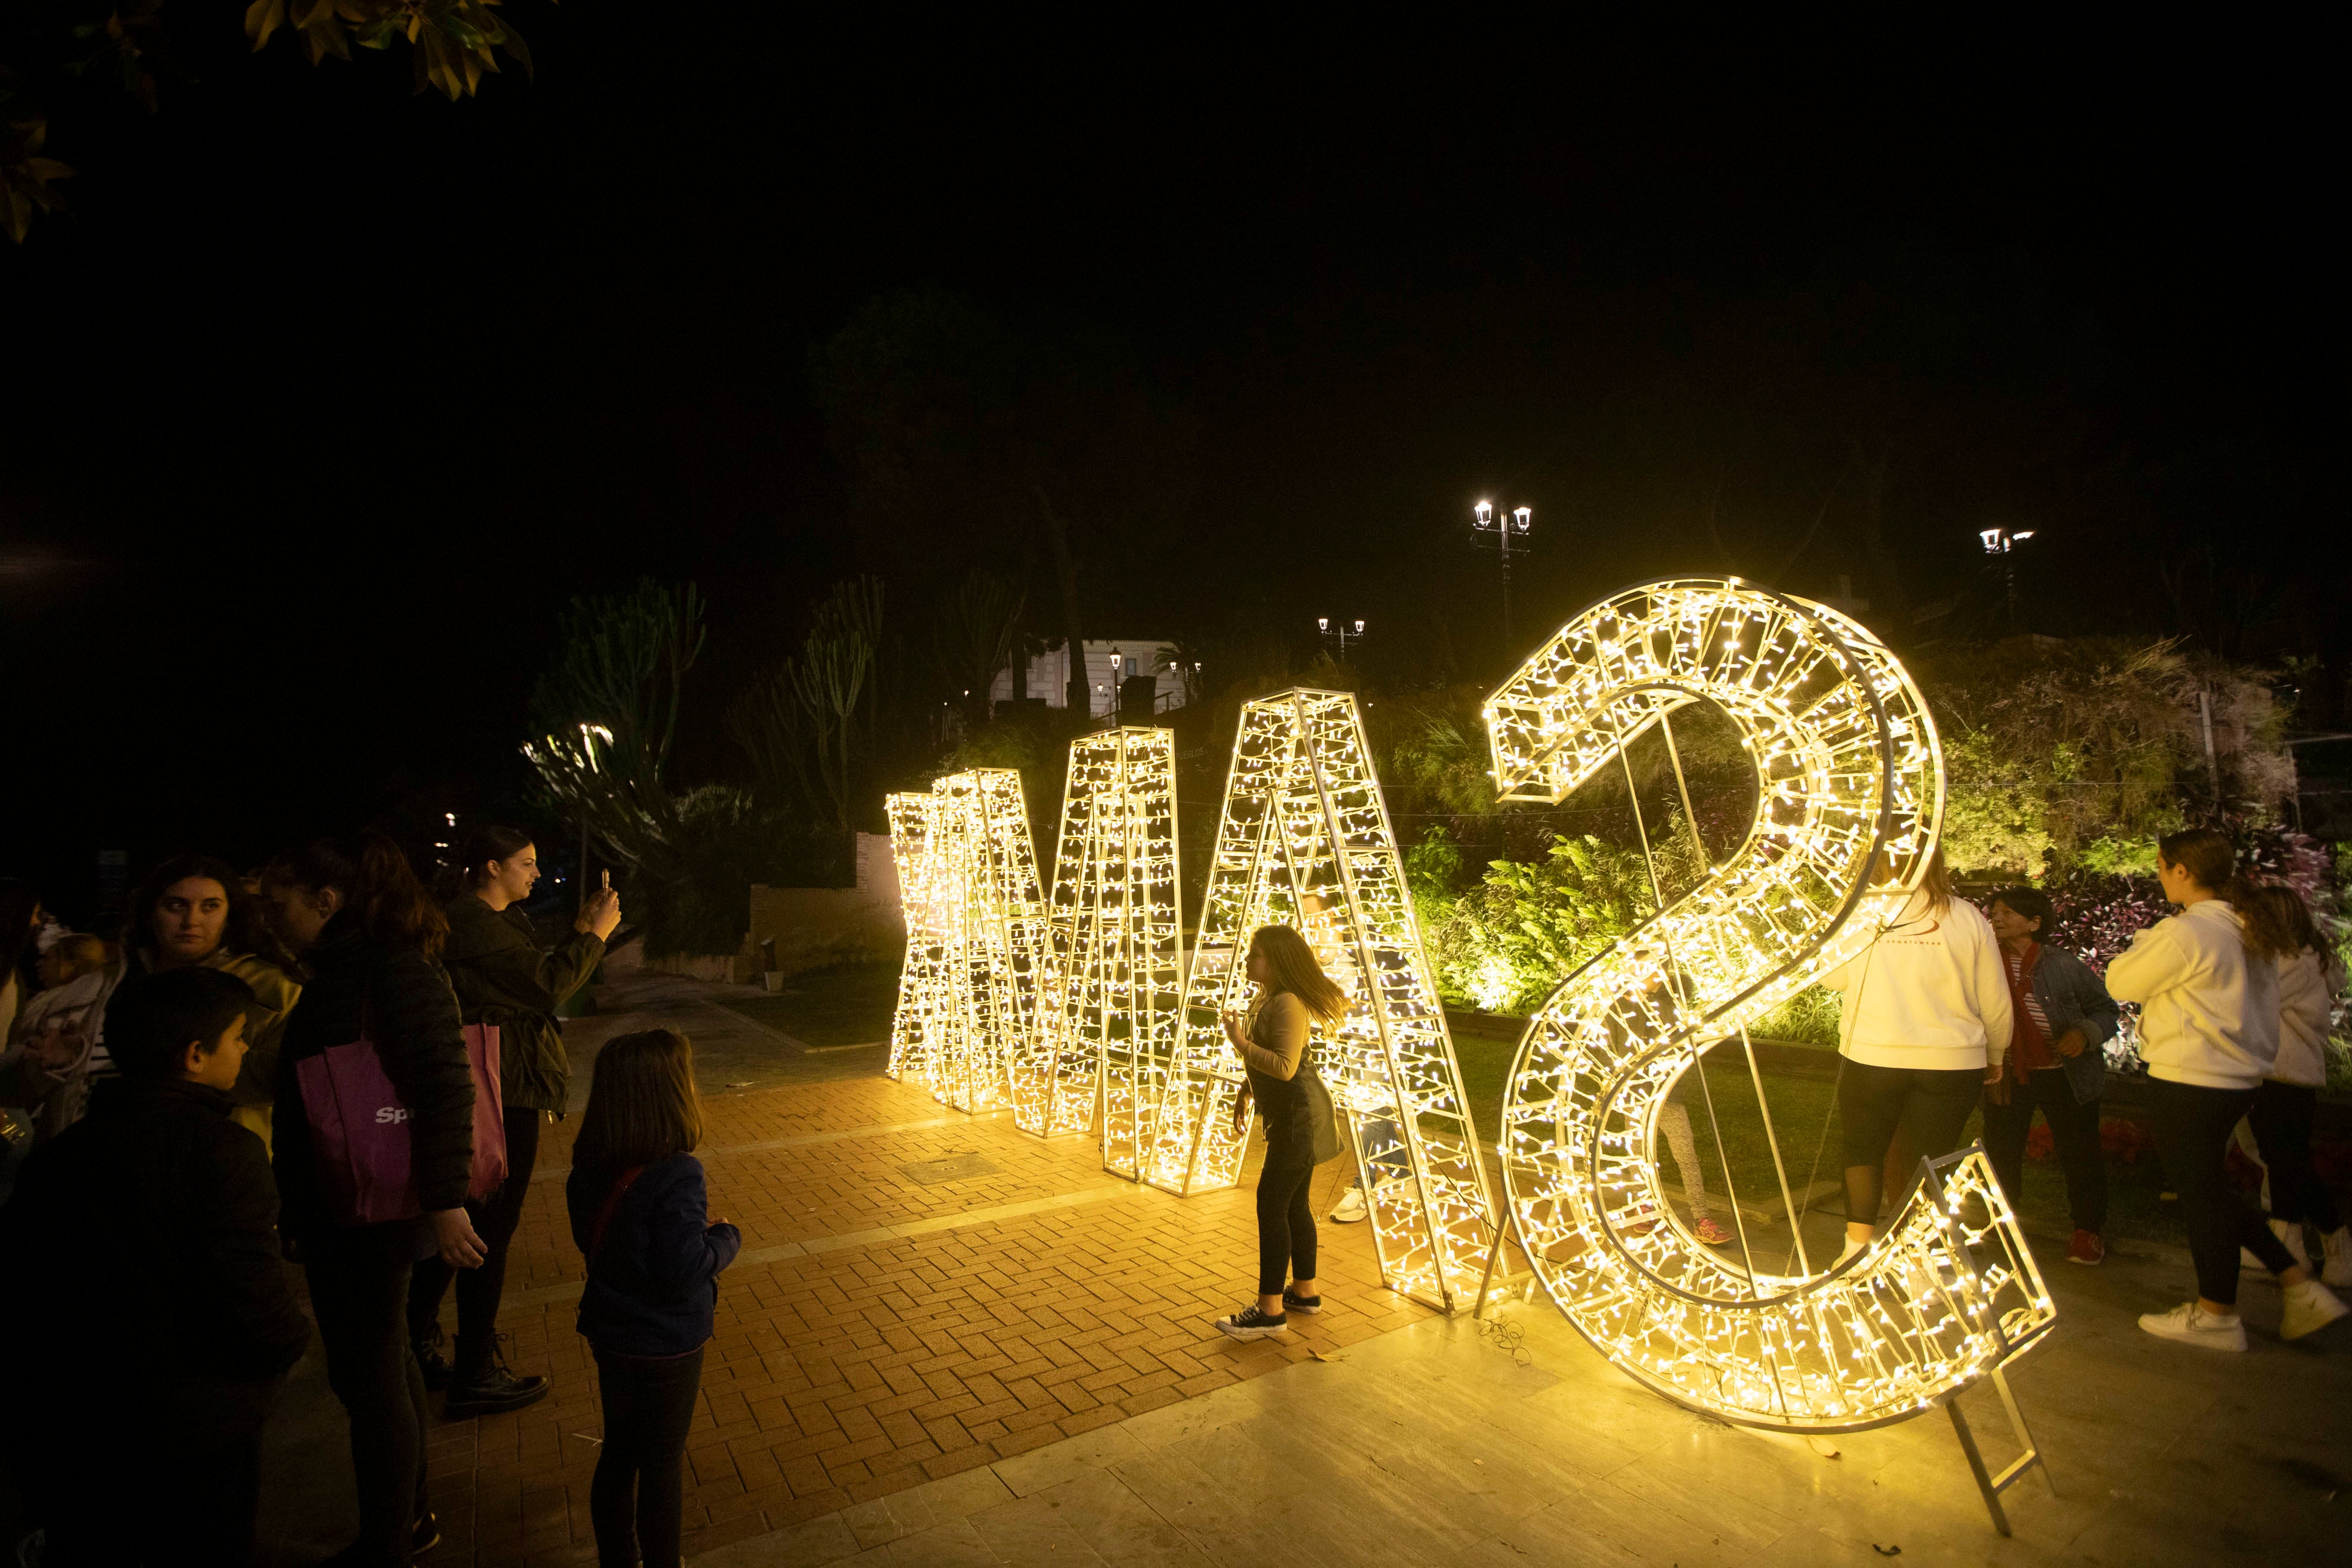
point(2207, 983)
point(1923, 1026)
point(2308, 979)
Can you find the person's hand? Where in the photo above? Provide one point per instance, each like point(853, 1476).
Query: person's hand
point(602, 914)
point(1234, 1030)
point(1242, 1111)
point(455, 1238)
point(2071, 1043)
point(1996, 1086)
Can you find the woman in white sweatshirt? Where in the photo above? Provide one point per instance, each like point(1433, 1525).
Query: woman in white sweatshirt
point(2288, 1098)
point(2207, 983)
point(1923, 1026)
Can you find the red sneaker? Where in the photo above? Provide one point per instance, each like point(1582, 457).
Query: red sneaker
point(2086, 1248)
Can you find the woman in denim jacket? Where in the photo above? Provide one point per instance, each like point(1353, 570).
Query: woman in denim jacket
point(2065, 1017)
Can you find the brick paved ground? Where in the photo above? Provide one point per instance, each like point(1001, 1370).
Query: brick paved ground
point(881, 1331)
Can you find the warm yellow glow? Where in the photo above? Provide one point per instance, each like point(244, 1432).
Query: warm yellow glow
point(967, 1024)
point(1305, 841)
point(1849, 771)
point(1114, 987)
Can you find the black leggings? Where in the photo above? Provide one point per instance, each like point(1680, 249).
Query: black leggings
point(2073, 1128)
point(634, 1501)
point(359, 1280)
point(2282, 1117)
point(1929, 1105)
point(495, 1218)
point(2192, 1127)
point(1286, 1221)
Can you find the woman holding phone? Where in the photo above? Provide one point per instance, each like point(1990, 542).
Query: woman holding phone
point(504, 978)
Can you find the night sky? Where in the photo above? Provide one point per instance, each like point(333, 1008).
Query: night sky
point(324, 398)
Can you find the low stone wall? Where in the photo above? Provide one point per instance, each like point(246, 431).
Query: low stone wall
point(816, 927)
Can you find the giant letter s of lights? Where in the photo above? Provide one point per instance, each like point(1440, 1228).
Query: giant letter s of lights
point(977, 1000)
point(1849, 777)
point(1305, 841)
point(1117, 977)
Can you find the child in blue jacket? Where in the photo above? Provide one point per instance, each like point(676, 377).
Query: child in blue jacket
point(640, 1216)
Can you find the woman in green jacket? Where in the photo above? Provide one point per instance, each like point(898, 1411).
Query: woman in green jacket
point(502, 977)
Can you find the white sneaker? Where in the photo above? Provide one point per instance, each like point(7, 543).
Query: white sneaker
point(1352, 1207)
point(2310, 1307)
point(2337, 1248)
point(1848, 1251)
point(2290, 1235)
point(2192, 1324)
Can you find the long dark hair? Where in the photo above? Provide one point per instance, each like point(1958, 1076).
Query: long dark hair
point(381, 896)
point(2206, 854)
point(484, 845)
point(244, 931)
point(642, 1103)
point(1296, 971)
point(2291, 915)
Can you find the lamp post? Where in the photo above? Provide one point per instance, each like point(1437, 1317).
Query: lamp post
point(2000, 542)
point(1509, 530)
point(1338, 635)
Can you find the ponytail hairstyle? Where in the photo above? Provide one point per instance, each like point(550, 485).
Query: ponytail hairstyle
point(642, 1103)
point(2285, 918)
point(381, 896)
point(484, 845)
point(2206, 855)
point(1296, 972)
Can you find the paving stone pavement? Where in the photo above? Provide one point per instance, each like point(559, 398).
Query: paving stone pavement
point(920, 1293)
point(1447, 1443)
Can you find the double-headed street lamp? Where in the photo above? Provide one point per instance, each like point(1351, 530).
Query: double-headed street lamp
point(1338, 635)
point(2000, 542)
point(1508, 532)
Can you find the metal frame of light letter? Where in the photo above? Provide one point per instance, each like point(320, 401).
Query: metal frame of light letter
point(1115, 984)
point(1305, 841)
point(917, 1027)
point(988, 1050)
point(1850, 779)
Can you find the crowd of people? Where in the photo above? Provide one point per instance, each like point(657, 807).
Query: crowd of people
point(319, 1062)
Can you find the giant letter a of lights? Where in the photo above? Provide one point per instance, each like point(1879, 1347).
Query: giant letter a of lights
point(1117, 976)
point(1305, 841)
point(967, 1020)
point(1849, 800)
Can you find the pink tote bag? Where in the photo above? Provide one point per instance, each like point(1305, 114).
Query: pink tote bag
point(360, 1133)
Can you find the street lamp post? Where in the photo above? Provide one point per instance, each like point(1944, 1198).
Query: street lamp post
point(1338, 635)
point(2002, 542)
point(1509, 533)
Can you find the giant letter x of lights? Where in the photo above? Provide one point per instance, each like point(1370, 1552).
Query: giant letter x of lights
point(1849, 778)
point(967, 1020)
point(1117, 977)
point(1305, 841)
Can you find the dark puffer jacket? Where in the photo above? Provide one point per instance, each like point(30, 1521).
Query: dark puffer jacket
point(502, 978)
point(141, 1244)
point(653, 1287)
point(411, 1017)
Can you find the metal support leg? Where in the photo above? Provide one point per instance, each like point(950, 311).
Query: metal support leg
point(2028, 1457)
point(1503, 1225)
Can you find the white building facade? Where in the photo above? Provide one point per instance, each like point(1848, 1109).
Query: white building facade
point(1107, 663)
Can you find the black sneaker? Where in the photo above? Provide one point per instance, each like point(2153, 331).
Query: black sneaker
point(1293, 1302)
point(1251, 1324)
point(435, 1365)
point(494, 1392)
point(425, 1536)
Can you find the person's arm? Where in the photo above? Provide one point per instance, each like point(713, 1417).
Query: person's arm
point(686, 1247)
point(261, 1330)
point(1284, 1018)
point(2086, 1009)
point(423, 1047)
point(513, 968)
point(1988, 985)
point(2153, 964)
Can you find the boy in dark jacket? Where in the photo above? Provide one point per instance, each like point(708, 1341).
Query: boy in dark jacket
point(142, 1242)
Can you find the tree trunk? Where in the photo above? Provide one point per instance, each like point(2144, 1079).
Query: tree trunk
point(1065, 573)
